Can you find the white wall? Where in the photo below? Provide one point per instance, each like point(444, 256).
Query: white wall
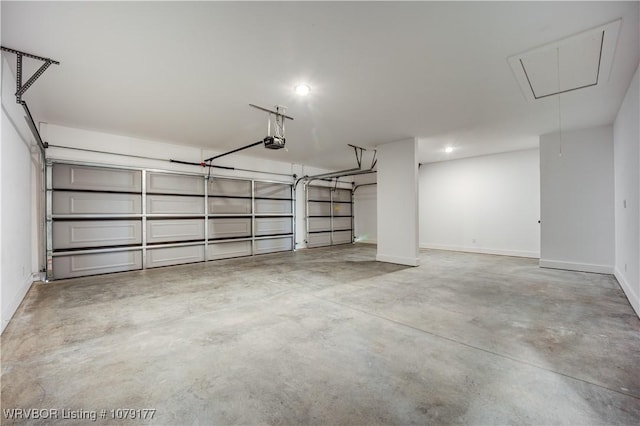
point(19, 166)
point(397, 203)
point(576, 200)
point(626, 148)
point(487, 204)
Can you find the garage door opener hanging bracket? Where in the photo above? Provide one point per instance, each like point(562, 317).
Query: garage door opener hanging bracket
point(22, 88)
point(276, 140)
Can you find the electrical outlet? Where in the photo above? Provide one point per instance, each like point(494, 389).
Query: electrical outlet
point(624, 203)
point(625, 267)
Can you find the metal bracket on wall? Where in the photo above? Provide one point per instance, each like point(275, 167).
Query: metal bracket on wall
point(355, 187)
point(358, 151)
point(22, 88)
point(343, 173)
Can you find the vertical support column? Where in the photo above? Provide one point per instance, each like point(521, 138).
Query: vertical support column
point(306, 213)
point(40, 214)
point(353, 206)
point(253, 217)
point(144, 219)
point(48, 220)
point(331, 191)
point(293, 215)
point(398, 203)
point(206, 218)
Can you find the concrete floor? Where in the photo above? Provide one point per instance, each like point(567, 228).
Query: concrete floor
point(329, 336)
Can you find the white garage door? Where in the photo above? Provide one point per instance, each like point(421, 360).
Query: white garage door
point(329, 216)
point(108, 219)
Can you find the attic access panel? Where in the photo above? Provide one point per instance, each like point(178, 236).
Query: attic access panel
point(577, 62)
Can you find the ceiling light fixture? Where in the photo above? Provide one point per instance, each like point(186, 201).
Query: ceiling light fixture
point(448, 149)
point(302, 89)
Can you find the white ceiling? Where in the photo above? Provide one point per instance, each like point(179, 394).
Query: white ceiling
point(381, 71)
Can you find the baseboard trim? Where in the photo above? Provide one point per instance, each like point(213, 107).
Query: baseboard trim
point(632, 296)
point(574, 266)
point(366, 241)
point(499, 252)
point(409, 261)
point(10, 309)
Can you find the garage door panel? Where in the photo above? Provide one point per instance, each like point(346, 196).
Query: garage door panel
point(319, 224)
point(78, 265)
point(96, 233)
point(229, 206)
point(273, 245)
point(342, 195)
point(341, 223)
point(342, 209)
point(273, 225)
point(174, 204)
point(168, 183)
point(69, 202)
point(71, 176)
point(273, 206)
point(319, 209)
point(229, 249)
point(272, 190)
point(229, 187)
point(342, 237)
point(229, 227)
point(319, 240)
point(318, 193)
point(164, 231)
point(165, 256)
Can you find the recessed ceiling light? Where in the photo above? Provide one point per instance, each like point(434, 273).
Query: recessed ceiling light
point(448, 149)
point(302, 89)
